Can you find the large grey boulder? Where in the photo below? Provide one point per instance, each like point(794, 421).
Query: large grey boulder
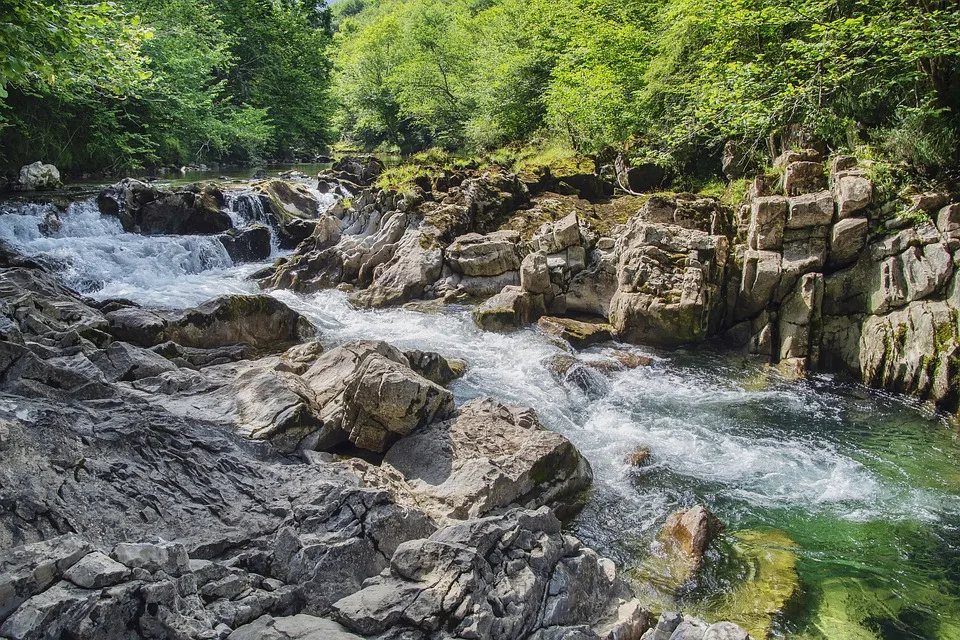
point(298, 627)
point(510, 309)
point(38, 177)
point(261, 321)
point(417, 263)
point(367, 394)
point(488, 457)
point(503, 577)
point(484, 255)
point(141, 208)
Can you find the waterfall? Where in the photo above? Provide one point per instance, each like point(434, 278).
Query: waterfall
point(97, 258)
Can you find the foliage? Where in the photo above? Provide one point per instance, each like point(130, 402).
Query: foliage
point(670, 81)
point(123, 85)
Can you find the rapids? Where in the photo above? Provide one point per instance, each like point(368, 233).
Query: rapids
point(842, 504)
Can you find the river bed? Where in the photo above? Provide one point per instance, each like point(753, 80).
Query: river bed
point(841, 504)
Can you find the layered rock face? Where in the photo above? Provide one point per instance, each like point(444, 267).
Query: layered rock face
point(153, 492)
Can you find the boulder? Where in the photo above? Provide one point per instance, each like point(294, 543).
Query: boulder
point(125, 362)
point(510, 309)
point(261, 321)
point(734, 161)
point(484, 255)
point(503, 578)
point(669, 284)
point(367, 394)
point(195, 209)
point(248, 245)
point(690, 532)
point(847, 239)
point(810, 210)
point(137, 326)
point(289, 201)
point(417, 263)
point(298, 627)
point(96, 571)
point(435, 367)
point(768, 216)
point(488, 457)
point(803, 177)
point(39, 177)
point(760, 279)
point(31, 569)
point(579, 333)
point(534, 274)
point(853, 194)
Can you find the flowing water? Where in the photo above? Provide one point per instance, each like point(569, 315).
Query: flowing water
point(842, 505)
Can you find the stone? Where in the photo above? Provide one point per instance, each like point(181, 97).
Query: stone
point(124, 362)
point(261, 321)
point(196, 209)
point(768, 217)
point(457, 580)
point(510, 309)
point(580, 334)
point(669, 284)
point(929, 202)
point(31, 569)
point(725, 631)
point(434, 367)
point(762, 272)
point(96, 571)
point(639, 457)
point(367, 394)
point(847, 239)
point(489, 255)
point(797, 315)
point(298, 627)
point(417, 263)
point(251, 244)
point(289, 200)
point(948, 221)
point(169, 557)
point(534, 274)
point(39, 177)
point(853, 194)
point(566, 232)
point(137, 326)
point(810, 210)
point(803, 177)
point(487, 457)
point(690, 532)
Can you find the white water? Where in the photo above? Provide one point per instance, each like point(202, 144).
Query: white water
point(710, 437)
point(98, 259)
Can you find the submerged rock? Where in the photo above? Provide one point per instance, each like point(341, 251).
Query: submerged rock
point(510, 309)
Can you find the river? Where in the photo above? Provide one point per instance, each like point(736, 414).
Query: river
point(841, 504)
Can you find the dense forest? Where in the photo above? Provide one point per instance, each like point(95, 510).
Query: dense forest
point(144, 83)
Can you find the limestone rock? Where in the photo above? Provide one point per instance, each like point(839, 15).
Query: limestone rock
point(534, 274)
point(690, 532)
point(261, 321)
point(457, 580)
point(510, 309)
point(669, 284)
point(367, 394)
point(288, 200)
point(137, 326)
point(767, 221)
point(578, 333)
point(484, 255)
point(171, 558)
point(248, 245)
point(38, 177)
point(847, 239)
point(434, 367)
point(96, 571)
point(31, 569)
point(810, 210)
point(125, 362)
point(762, 271)
point(488, 457)
point(298, 627)
point(853, 194)
point(803, 177)
point(416, 263)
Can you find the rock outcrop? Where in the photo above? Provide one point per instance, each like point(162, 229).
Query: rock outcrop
point(140, 496)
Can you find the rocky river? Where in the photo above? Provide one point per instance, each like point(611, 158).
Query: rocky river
point(354, 455)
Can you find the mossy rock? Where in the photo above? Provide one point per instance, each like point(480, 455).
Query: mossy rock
point(289, 201)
